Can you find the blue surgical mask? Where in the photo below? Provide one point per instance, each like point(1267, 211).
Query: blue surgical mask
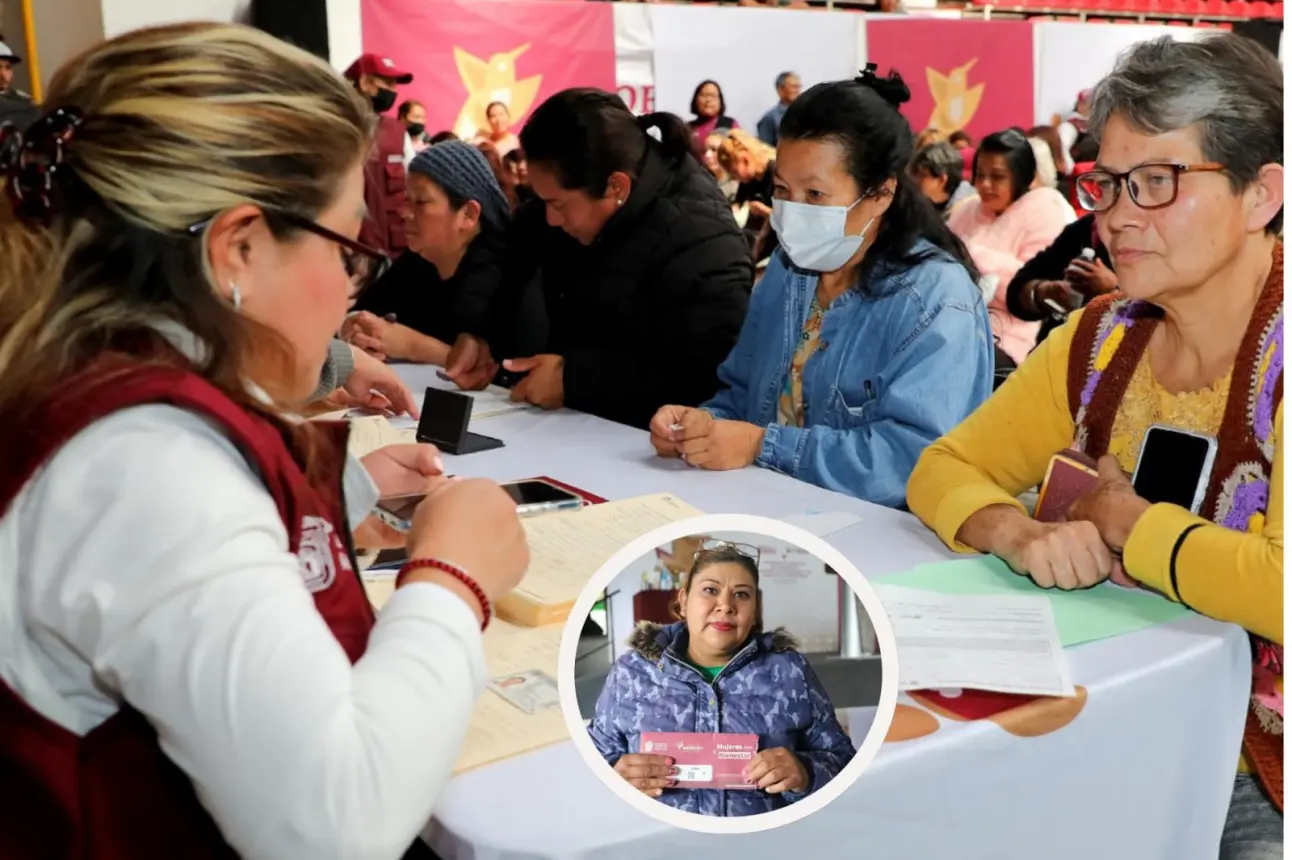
point(814, 236)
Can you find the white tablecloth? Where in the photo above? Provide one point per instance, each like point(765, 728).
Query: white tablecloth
point(1143, 773)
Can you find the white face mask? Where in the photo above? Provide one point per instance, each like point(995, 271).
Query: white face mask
point(814, 236)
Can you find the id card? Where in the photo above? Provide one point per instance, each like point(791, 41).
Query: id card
point(531, 691)
point(705, 761)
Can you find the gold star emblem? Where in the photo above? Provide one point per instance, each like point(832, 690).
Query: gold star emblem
point(954, 101)
point(489, 81)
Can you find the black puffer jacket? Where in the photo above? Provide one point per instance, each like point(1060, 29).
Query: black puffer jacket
point(645, 314)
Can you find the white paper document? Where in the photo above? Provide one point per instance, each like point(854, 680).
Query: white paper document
point(494, 400)
point(822, 523)
point(1002, 643)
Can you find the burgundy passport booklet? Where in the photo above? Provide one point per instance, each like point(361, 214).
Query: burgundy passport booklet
point(704, 760)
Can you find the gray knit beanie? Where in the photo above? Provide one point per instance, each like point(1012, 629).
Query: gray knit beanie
point(460, 168)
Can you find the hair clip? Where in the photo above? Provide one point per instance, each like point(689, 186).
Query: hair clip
point(32, 161)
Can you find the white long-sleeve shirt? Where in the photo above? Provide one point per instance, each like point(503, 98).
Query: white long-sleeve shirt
point(146, 563)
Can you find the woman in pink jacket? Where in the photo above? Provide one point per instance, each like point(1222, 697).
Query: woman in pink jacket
point(1006, 225)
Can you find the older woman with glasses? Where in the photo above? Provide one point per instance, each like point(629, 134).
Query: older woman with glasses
point(1188, 196)
point(717, 670)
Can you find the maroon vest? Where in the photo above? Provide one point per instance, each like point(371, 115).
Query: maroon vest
point(113, 794)
point(385, 190)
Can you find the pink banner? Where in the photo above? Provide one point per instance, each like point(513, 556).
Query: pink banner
point(465, 54)
point(971, 75)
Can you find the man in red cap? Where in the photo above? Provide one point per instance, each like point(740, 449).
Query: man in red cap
point(379, 78)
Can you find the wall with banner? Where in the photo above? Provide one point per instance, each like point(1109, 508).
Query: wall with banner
point(465, 54)
point(972, 74)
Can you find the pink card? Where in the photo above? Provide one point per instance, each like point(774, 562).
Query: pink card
point(704, 760)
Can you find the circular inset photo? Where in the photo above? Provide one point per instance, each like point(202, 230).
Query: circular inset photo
point(707, 672)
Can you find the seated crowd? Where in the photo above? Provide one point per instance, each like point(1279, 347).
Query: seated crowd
point(836, 301)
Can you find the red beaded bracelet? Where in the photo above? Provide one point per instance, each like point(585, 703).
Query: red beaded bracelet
point(454, 571)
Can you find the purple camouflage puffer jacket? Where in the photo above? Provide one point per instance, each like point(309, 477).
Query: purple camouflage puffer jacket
point(767, 689)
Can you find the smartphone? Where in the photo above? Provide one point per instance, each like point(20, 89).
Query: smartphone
point(1174, 467)
point(534, 497)
point(1071, 475)
point(397, 511)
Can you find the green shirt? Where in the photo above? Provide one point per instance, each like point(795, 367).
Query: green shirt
point(709, 672)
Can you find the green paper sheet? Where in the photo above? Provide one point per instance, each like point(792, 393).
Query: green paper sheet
point(1081, 616)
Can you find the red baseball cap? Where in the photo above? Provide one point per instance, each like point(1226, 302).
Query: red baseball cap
point(382, 67)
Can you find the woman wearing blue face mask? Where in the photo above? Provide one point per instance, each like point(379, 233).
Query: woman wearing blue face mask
point(867, 338)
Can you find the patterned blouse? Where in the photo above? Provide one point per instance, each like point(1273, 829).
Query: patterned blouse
point(791, 412)
point(1147, 403)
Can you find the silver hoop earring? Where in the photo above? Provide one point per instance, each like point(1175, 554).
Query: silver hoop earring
point(235, 296)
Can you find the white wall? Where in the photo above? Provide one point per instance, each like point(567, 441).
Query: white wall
point(344, 32)
point(807, 606)
point(121, 16)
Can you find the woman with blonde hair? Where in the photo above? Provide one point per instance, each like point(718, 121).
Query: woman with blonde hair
point(928, 137)
point(190, 666)
point(751, 163)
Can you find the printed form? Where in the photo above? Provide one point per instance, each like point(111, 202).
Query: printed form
point(567, 548)
point(1006, 644)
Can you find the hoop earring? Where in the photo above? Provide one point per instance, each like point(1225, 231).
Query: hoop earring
point(235, 297)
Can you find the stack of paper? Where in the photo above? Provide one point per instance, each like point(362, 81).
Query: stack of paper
point(1085, 615)
point(1006, 643)
point(369, 434)
point(566, 549)
point(378, 585)
point(503, 727)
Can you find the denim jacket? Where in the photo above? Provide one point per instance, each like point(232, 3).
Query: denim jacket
point(897, 367)
point(767, 689)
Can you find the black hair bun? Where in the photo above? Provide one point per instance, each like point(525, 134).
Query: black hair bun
point(891, 88)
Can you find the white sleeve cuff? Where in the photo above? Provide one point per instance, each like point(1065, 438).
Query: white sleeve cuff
point(361, 492)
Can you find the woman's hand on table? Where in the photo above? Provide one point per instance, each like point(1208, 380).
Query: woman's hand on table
point(544, 382)
point(472, 524)
point(776, 771)
point(704, 441)
point(1066, 555)
point(398, 470)
point(649, 774)
point(470, 365)
point(666, 425)
point(375, 385)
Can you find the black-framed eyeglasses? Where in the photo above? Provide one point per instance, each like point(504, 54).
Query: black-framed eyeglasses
point(364, 265)
point(1151, 186)
point(713, 545)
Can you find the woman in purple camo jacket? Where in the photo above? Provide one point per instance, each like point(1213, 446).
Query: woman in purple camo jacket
point(716, 670)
